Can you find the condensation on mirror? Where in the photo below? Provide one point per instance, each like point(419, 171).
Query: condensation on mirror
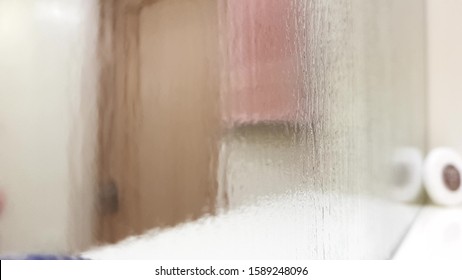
point(214, 129)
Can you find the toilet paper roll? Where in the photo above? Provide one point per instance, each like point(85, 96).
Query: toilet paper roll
point(407, 168)
point(442, 176)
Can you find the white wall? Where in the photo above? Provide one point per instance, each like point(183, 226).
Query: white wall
point(45, 50)
point(445, 73)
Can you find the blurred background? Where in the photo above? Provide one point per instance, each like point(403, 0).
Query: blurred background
point(227, 128)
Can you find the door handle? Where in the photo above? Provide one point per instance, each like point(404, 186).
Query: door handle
point(109, 199)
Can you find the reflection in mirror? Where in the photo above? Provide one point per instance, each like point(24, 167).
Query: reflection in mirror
point(211, 129)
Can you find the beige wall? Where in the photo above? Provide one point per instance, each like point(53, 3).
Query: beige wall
point(45, 89)
point(445, 73)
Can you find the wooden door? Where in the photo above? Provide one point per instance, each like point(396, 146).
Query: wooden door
point(159, 114)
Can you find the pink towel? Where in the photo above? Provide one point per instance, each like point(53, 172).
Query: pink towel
point(261, 61)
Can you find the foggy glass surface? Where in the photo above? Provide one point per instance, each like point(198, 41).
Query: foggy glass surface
point(232, 128)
